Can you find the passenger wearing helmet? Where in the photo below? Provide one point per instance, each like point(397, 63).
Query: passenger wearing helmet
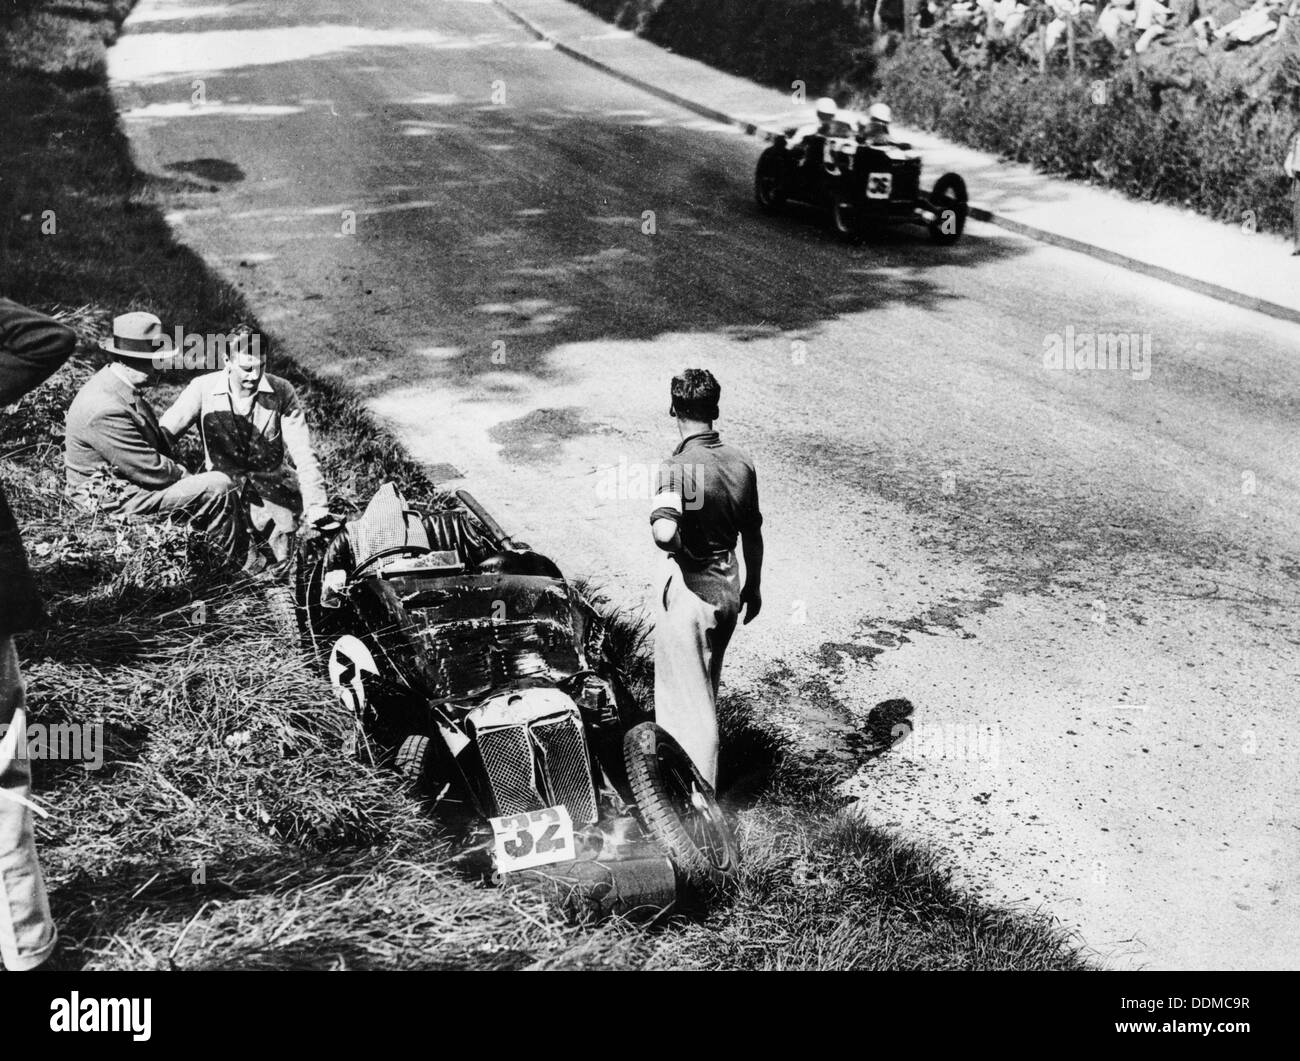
point(875, 130)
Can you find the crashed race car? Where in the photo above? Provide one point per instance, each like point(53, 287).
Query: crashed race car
point(863, 184)
point(475, 670)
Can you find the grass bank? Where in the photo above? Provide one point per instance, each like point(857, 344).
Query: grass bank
point(227, 828)
point(822, 44)
point(1214, 148)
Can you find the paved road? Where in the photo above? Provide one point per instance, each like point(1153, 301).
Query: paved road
point(1085, 581)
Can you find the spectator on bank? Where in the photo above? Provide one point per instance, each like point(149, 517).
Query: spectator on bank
point(32, 347)
point(1150, 23)
point(1063, 13)
point(117, 457)
point(1009, 17)
point(1265, 20)
point(255, 431)
point(1117, 15)
point(1291, 167)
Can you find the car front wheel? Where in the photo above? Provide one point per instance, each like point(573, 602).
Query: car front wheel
point(769, 183)
point(846, 218)
point(679, 809)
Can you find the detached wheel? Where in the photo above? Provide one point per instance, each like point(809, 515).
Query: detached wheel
point(679, 809)
point(950, 205)
point(769, 184)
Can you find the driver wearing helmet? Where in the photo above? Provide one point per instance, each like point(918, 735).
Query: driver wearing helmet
point(809, 139)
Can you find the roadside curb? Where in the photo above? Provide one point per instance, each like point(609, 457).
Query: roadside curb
point(1020, 228)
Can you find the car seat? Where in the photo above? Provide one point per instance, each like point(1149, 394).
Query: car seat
point(387, 523)
point(452, 531)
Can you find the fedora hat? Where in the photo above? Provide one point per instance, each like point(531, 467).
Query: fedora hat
point(139, 335)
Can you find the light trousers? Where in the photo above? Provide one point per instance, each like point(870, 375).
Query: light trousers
point(691, 638)
point(27, 933)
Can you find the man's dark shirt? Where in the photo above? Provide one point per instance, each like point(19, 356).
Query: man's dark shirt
point(710, 490)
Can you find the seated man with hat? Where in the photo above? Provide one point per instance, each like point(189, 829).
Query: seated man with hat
point(254, 430)
point(116, 454)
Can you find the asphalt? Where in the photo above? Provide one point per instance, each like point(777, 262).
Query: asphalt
point(1234, 263)
point(1084, 579)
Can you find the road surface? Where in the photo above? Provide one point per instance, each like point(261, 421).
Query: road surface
point(1086, 581)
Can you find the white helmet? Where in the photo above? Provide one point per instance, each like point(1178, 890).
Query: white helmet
point(826, 108)
point(880, 112)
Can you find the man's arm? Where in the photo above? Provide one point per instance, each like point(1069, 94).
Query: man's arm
point(665, 519)
point(751, 544)
point(297, 440)
point(184, 411)
point(32, 347)
point(119, 441)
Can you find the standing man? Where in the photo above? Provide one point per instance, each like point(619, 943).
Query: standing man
point(112, 431)
point(707, 499)
point(32, 347)
point(254, 430)
point(1292, 169)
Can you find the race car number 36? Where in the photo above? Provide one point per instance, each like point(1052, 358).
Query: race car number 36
point(537, 838)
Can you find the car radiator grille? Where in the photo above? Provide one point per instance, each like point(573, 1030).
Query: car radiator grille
point(907, 181)
point(512, 756)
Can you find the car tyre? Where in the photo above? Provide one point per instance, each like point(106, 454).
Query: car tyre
point(846, 219)
point(769, 192)
point(411, 760)
point(679, 809)
point(949, 201)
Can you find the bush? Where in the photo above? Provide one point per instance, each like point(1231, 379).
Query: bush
point(825, 44)
point(1215, 150)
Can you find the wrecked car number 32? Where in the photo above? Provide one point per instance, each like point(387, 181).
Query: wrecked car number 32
point(535, 838)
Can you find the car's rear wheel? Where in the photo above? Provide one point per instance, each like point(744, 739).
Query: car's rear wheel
point(949, 202)
point(679, 809)
point(769, 180)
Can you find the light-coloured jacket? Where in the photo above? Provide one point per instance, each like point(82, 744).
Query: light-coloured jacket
point(266, 448)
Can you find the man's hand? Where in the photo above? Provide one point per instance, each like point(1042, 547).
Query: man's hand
point(752, 603)
point(316, 521)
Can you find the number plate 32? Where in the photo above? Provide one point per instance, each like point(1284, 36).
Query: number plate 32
point(537, 838)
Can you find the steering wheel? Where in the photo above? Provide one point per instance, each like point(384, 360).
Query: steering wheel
point(393, 550)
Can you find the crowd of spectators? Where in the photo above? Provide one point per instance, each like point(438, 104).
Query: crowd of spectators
point(1040, 27)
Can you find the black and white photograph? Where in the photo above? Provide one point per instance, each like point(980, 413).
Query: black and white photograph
point(649, 486)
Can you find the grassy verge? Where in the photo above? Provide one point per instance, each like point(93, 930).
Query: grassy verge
point(823, 44)
point(227, 828)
